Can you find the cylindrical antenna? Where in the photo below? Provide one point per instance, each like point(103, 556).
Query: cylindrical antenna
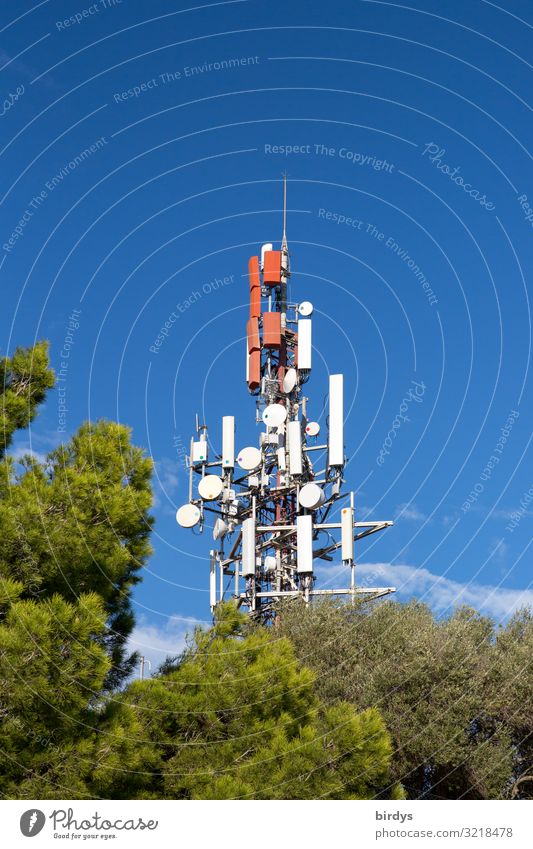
point(284, 240)
point(284, 252)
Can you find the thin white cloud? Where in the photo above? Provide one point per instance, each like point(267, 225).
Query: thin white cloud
point(24, 450)
point(441, 594)
point(364, 512)
point(409, 512)
point(155, 643)
point(166, 483)
point(447, 519)
point(510, 513)
point(166, 475)
point(39, 444)
point(498, 549)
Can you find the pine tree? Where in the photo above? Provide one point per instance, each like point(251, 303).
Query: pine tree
point(238, 718)
point(79, 522)
point(52, 669)
point(74, 533)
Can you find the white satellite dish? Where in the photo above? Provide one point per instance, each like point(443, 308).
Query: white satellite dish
point(210, 487)
point(220, 529)
point(311, 496)
point(312, 428)
point(305, 308)
point(289, 381)
point(274, 415)
point(188, 516)
point(249, 458)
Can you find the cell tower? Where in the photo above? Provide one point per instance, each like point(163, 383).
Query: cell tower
point(271, 505)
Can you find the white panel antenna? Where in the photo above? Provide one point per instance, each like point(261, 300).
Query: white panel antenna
point(347, 547)
point(294, 436)
point(264, 248)
point(304, 344)
point(336, 420)
point(228, 442)
point(200, 451)
point(248, 547)
point(304, 544)
point(213, 580)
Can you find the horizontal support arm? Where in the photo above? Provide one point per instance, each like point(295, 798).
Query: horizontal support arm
point(376, 591)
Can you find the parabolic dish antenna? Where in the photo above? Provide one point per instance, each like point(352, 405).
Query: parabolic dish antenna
point(210, 487)
point(220, 529)
point(311, 496)
point(305, 308)
point(289, 381)
point(274, 415)
point(188, 516)
point(249, 458)
point(312, 428)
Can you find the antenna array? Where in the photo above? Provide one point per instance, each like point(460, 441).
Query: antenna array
point(273, 505)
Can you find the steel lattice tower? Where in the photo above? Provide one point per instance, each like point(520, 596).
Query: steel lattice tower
point(271, 503)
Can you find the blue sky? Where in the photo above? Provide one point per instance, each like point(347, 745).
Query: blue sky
point(142, 150)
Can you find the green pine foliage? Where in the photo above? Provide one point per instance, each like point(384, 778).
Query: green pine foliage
point(24, 381)
point(74, 536)
point(239, 719)
point(52, 669)
point(79, 523)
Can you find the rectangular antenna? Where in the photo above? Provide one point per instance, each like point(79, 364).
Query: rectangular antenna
point(304, 344)
point(347, 546)
point(248, 547)
point(213, 579)
point(304, 543)
point(294, 433)
point(336, 420)
point(228, 442)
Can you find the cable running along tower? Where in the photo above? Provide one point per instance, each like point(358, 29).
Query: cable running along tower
point(277, 509)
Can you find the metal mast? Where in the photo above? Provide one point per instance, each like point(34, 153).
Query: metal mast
point(271, 504)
